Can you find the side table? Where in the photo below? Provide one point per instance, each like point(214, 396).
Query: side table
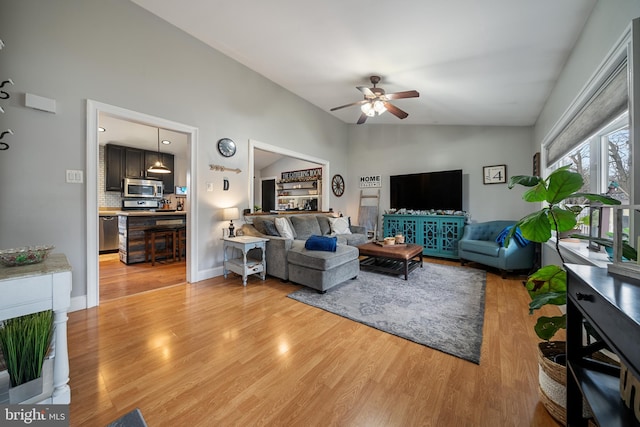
point(244, 265)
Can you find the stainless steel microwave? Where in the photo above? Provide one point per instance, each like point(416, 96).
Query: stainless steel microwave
point(142, 188)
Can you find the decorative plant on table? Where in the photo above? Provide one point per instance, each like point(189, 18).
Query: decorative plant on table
point(25, 343)
point(548, 285)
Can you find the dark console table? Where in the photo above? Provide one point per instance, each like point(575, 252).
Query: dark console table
point(611, 305)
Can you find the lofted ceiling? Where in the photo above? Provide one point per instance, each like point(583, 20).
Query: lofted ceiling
point(491, 62)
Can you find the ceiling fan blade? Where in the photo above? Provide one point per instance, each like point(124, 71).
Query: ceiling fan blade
point(366, 91)
point(401, 95)
point(396, 111)
point(349, 105)
point(362, 119)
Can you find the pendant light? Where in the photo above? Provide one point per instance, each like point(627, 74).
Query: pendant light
point(158, 167)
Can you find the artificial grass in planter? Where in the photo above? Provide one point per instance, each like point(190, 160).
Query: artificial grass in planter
point(25, 343)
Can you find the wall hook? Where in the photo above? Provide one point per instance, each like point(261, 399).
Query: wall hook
point(4, 95)
point(1, 44)
point(4, 145)
point(8, 81)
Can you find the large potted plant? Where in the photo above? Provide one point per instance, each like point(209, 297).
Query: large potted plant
point(25, 343)
point(559, 194)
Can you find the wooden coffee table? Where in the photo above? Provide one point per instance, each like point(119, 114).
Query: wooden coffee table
point(395, 259)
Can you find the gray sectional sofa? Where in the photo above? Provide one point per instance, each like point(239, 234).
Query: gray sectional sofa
point(288, 259)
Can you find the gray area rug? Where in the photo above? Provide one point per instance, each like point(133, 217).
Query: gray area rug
point(440, 306)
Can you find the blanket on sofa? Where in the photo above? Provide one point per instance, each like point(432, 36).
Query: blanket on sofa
point(321, 243)
point(517, 236)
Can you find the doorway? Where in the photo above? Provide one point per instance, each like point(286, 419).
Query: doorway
point(258, 149)
point(94, 110)
point(268, 194)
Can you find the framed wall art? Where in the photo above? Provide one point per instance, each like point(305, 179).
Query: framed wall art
point(496, 174)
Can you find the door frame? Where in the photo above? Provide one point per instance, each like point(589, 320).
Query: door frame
point(94, 108)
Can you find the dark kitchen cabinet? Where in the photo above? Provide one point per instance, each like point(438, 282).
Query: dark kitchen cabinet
point(114, 167)
point(150, 158)
point(127, 162)
point(133, 163)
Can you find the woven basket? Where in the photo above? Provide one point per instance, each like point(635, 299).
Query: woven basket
point(552, 380)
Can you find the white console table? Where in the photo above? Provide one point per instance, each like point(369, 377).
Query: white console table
point(39, 287)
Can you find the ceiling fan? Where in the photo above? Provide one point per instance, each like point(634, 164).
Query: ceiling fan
point(376, 101)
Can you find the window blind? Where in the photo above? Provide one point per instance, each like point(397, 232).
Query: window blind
point(608, 101)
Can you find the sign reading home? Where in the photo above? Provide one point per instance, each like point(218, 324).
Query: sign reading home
point(302, 174)
point(371, 181)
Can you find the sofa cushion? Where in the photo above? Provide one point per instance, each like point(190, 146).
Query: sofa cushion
point(284, 228)
point(323, 222)
point(320, 260)
point(339, 225)
point(484, 247)
point(352, 239)
point(305, 226)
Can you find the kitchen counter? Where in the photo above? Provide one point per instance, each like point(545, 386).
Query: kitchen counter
point(139, 213)
point(151, 213)
point(132, 226)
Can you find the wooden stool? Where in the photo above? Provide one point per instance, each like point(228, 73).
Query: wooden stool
point(182, 242)
point(150, 236)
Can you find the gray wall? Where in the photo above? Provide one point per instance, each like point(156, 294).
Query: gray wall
point(603, 29)
point(400, 149)
point(119, 54)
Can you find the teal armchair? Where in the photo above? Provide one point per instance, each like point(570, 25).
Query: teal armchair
point(478, 244)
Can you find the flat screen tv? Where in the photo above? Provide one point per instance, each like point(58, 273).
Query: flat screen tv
point(429, 190)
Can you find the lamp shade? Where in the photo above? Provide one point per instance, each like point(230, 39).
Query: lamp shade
point(229, 214)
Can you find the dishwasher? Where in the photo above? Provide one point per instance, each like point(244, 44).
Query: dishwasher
point(108, 234)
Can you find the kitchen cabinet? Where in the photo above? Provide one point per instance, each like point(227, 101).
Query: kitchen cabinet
point(114, 167)
point(150, 158)
point(437, 234)
point(129, 162)
point(133, 163)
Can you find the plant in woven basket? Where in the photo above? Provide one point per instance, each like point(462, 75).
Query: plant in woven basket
point(548, 285)
point(25, 343)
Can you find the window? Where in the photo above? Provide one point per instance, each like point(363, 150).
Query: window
point(604, 161)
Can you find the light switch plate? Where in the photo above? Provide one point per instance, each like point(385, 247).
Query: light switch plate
point(75, 176)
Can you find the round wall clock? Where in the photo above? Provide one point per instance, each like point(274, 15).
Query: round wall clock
point(226, 147)
point(337, 185)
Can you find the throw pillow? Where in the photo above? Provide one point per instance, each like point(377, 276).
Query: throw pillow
point(284, 228)
point(339, 226)
point(270, 228)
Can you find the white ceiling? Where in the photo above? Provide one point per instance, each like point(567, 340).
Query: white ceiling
point(491, 62)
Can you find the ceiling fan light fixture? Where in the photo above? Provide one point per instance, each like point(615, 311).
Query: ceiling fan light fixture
point(379, 107)
point(368, 109)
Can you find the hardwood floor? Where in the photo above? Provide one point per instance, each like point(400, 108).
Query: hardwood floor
point(215, 353)
point(119, 280)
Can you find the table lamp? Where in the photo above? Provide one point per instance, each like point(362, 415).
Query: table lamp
point(229, 214)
